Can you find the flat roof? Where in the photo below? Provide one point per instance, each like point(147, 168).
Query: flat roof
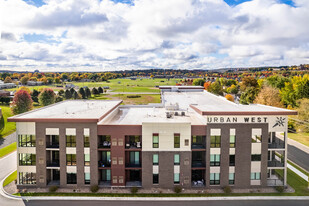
point(70, 111)
point(206, 103)
point(137, 115)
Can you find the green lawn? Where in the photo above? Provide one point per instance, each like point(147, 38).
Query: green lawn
point(10, 178)
point(143, 99)
point(300, 137)
point(10, 127)
point(294, 181)
point(8, 149)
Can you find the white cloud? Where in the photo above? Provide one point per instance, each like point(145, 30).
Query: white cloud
point(187, 34)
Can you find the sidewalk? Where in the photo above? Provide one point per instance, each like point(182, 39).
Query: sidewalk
point(8, 140)
point(298, 145)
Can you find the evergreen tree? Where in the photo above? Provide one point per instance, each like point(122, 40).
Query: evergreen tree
point(67, 94)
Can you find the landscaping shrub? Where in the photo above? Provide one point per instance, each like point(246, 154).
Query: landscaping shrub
point(280, 189)
point(94, 188)
point(134, 190)
point(227, 189)
point(53, 188)
point(133, 96)
point(177, 189)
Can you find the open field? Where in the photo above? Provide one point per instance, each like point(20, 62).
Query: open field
point(10, 127)
point(300, 137)
point(118, 85)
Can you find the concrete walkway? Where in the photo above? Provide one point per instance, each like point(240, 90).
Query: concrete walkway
point(7, 140)
point(298, 145)
point(299, 173)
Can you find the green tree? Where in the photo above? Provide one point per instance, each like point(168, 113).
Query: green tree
point(47, 97)
point(61, 92)
point(22, 102)
point(215, 88)
point(2, 123)
point(303, 115)
point(34, 95)
point(88, 93)
point(8, 80)
point(100, 90)
point(72, 90)
point(249, 95)
point(67, 94)
point(76, 95)
point(248, 82)
point(276, 81)
point(198, 82)
point(95, 91)
point(82, 93)
point(24, 80)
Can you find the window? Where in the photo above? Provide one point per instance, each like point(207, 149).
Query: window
point(198, 142)
point(176, 159)
point(71, 159)
point(215, 160)
point(86, 141)
point(105, 159)
point(87, 159)
point(215, 141)
point(155, 140)
point(255, 176)
point(176, 140)
point(28, 178)
point(71, 178)
point(155, 159)
point(214, 178)
point(256, 135)
point(155, 178)
point(232, 160)
point(52, 141)
point(27, 159)
point(255, 157)
point(231, 178)
point(106, 175)
point(105, 141)
point(26, 140)
point(176, 178)
point(134, 159)
point(87, 178)
point(70, 141)
point(232, 141)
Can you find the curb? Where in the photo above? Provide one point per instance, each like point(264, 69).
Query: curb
point(4, 193)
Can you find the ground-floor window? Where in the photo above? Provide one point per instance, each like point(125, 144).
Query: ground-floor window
point(255, 176)
point(27, 178)
point(214, 178)
point(87, 178)
point(176, 178)
point(71, 178)
point(155, 179)
point(231, 178)
point(106, 175)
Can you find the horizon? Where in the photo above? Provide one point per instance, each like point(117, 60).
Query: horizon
point(119, 35)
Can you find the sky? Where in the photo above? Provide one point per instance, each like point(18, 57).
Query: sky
point(108, 35)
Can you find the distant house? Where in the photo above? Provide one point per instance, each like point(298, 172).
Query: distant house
point(34, 83)
point(4, 93)
point(105, 87)
point(85, 80)
point(6, 85)
point(69, 86)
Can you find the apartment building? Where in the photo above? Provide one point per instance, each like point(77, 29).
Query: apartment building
point(193, 139)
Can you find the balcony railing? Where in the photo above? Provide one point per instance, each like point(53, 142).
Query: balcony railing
point(275, 163)
point(198, 146)
point(104, 163)
point(276, 143)
point(198, 164)
point(52, 144)
point(133, 164)
point(105, 144)
point(53, 163)
point(133, 145)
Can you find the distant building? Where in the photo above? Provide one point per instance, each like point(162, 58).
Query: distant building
point(6, 85)
point(34, 83)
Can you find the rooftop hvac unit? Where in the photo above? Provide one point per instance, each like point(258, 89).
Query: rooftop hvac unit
point(183, 114)
point(168, 115)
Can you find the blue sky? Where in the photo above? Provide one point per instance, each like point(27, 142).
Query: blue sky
point(98, 35)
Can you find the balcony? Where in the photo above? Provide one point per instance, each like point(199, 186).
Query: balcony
point(133, 142)
point(275, 177)
point(276, 143)
point(133, 165)
point(198, 178)
point(53, 163)
point(52, 144)
point(275, 163)
point(198, 142)
point(103, 164)
point(104, 144)
point(198, 164)
point(134, 145)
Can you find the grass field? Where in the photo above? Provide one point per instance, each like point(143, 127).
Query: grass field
point(10, 127)
point(143, 99)
point(294, 181)
point(10, 178)
point(8, 149)
point(300, 137)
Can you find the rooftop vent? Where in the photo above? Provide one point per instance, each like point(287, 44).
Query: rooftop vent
point(183, 114)
point(168, 115)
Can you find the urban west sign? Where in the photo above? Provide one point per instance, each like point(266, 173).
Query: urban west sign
point(237, 119)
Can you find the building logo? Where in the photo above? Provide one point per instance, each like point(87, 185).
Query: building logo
point(279, 122)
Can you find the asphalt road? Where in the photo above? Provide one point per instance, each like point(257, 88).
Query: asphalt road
point(298, 156)
point(172, 203)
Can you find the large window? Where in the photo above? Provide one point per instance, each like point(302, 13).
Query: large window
point(71, 159)
point(232, 160)
point(215, 160)
point(26, 140)
point(87, 178)
point(176, 159)
point(87, 159)
point(155, 178)
point(106, 175)
point(71, 178)
point(155, 140)
point(176, 140)
point(86, 141)
point(255, 176)
point(176, 178)
point(155, 159)
point(105, 159)
point(52, 141)
point(231, 178)
point(134, 159)
point(27, 178)
point(232, 141)
point(256, 157)
point(71, 141)
point(27, 159)
point(198, 142)
point(215, 141)
point(214, 178)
